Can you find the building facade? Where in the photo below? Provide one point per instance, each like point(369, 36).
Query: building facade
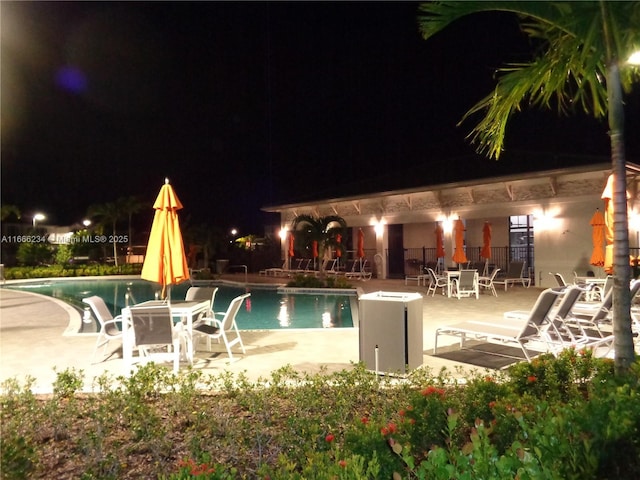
point(542, 218)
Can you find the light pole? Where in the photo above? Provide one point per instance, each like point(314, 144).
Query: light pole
point(37, 218)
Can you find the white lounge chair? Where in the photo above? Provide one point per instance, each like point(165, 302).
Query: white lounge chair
point(214, 329)
point(515, 274)
point(521, 332)
point(108, 324)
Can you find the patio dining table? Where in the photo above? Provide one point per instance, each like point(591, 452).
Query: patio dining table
point(451, 274)
point(185, 310)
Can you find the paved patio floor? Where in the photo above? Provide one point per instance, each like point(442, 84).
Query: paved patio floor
point(38, 337)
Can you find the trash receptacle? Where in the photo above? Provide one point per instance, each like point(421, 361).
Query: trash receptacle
point(221, 266)
point(391, 331)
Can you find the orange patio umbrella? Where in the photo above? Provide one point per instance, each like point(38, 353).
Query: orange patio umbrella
point(314, 249)
point(486, 241)
point(291, 242)
point(338, 240)
point(598, 225)
point(360, 244)
point(439, 241)
point(458, 255)
point(165, 261)
point(607, 196)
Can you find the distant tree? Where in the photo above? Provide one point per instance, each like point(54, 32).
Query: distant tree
point(580, 47)
point(324, 230)
point(129, 207)
point(6, 211)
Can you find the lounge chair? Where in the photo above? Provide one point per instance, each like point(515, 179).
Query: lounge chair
point(214, 329)
point(275, 271)
point(108, 324)
point(521, 332)
point(559, 279)
point(155, 336)
point(421, 278)
point(466, 285)
point(361, 271)
point(487, 282)
point(515, 274)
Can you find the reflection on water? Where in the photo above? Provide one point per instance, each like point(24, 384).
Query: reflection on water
point(266, 309)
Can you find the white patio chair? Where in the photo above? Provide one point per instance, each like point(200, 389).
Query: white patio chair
point(214, 329)
point(466, 285)
point(487, 282)
point(155, 336)
point(436, 281)
point(108, 324)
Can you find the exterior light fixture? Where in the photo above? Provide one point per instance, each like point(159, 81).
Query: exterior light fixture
point(37, 218)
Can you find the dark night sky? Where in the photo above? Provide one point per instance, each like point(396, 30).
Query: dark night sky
point(247, 104)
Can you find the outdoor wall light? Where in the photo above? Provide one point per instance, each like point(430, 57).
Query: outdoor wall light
point(283, 233)
point(86, 223)
point(447, 224)
point(547, 220)
point(378, 226)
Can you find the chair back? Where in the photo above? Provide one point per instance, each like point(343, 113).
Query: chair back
point(559, 279)
point(539, 313)
point(570, 297)
point(152, 325)
point(229, 320)
point(493, 275)
point(468, 279)
point(516, 269)
point(99, 308)
point(202, 293)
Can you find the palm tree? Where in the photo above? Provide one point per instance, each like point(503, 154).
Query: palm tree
point(577, 66)
point(324, 230)
point(130, 206)
point(108, 214)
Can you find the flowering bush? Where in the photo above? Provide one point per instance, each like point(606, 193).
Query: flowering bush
point(344, 425)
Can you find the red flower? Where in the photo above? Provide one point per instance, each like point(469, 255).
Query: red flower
point(384, 431)
point(364, 420)
point(531, 378)
point(402, 413)
point(330, 437)
point(343, 463)
point(492, 404)
point(392, 427)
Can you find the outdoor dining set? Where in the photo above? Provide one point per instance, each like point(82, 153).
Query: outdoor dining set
point(469, 282)
point(168, 330)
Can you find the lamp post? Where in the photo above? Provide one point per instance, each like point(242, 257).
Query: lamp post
point(37, 218)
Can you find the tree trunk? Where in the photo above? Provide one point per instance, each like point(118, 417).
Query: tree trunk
point(115, 247)
point(623, 337)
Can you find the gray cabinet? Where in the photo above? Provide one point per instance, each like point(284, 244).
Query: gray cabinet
point(391, 331)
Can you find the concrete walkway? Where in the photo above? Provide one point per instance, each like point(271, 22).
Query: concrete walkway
point(38, 337)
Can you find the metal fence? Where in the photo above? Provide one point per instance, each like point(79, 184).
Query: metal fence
point(417, 258)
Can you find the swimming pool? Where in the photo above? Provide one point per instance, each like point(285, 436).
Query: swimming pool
point(266, 309)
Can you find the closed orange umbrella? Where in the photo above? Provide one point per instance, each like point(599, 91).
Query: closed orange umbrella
point(291, 241)
point(165, 261)
point(360, 243)
point(598, 225)
point(314, 249)
point(486, 241)
point(607, 196)
point(459, 256)
point(439, 241)
point(338, 240)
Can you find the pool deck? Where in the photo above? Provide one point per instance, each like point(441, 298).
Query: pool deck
point(38, 337)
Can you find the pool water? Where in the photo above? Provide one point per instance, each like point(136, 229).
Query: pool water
point(266, 309)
